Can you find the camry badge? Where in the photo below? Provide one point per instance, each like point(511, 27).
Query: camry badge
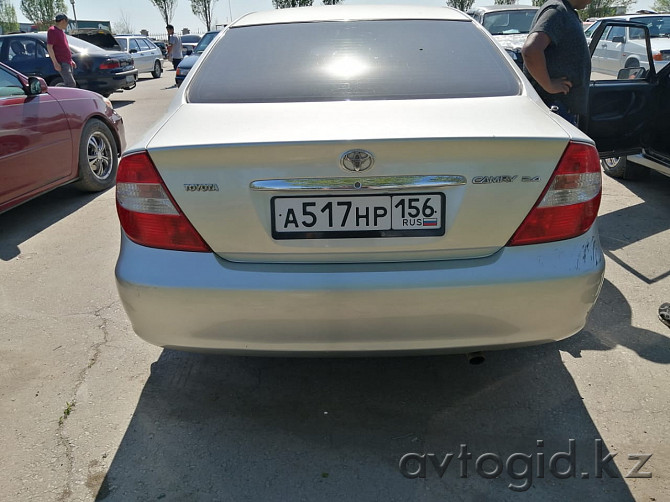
point(357, 160)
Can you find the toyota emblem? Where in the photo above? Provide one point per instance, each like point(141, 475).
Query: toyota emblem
point(357, 160)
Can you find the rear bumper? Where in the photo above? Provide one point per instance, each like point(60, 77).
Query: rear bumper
point(519, 296)
point(108, 83)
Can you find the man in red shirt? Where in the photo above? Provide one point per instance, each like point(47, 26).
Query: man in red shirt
point(59, 50)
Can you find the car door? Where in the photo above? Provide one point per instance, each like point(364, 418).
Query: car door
point(33, 61)
point(35, 141)
point(138, 57)
point(629, 112)
point(149, 53)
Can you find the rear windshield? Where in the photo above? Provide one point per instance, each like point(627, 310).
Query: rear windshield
point(361, 60)
point(509, 22)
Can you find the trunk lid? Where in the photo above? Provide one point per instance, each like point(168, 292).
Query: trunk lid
point(224, 164)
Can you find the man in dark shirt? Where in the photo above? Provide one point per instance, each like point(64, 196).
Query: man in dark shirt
point(556, 57)
point(59, 50)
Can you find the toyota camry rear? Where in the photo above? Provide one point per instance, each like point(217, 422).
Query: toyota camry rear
point(358, 180)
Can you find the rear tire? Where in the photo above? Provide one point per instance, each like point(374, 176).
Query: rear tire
point(158, 69)
point(56, 82)
point(98, 158)
point(622, 168)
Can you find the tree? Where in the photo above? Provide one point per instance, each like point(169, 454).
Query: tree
point(204, 10)
point(285, 4)
point(166, 8)
point(603, 8)
point(42, 12)
point(460, 4)
point(662, 6)
point(505, 2)
point(8, 21)
point(124, 25)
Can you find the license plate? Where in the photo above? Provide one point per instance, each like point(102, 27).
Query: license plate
point(324, 217)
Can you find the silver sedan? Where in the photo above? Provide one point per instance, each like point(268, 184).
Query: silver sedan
point(358, 180)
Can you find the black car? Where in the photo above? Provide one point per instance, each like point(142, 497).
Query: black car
point(161, 45)
point(100, 70)
point(188, 43)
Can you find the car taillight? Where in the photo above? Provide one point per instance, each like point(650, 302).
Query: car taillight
point(149, 215)
point(661, 56)
point(569, 204)
point(110, 64)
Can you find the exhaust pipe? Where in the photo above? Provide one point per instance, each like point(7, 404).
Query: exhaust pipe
point(475, 358)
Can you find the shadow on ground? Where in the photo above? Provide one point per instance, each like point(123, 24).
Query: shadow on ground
point(632, 224)
point(233, 428)
point(27, 220)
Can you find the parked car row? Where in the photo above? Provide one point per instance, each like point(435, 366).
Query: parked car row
point(101, 70)
point(105, 63)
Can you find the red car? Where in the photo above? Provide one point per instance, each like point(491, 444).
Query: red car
point(51, 136)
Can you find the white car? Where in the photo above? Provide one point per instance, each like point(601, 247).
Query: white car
point(509, 25)
point(146, 54)
point(347, 180)
point(625, 46)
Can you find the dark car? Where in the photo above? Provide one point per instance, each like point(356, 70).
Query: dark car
point(51, 136)
point(162, 46)
point(100, 70)
point(188, 43)
point(188, 62)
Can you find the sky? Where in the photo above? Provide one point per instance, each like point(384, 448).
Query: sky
point(142, 14)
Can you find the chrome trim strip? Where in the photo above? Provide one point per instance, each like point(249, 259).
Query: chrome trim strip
point(350, 184)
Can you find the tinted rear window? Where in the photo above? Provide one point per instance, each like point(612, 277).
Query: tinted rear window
point(359, 60)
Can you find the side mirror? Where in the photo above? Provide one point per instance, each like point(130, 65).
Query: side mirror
point(619, 40)
point(631, 74)
point(36, 85)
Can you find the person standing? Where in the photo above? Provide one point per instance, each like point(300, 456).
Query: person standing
point(59, 50)
point(556, 58)
point(174, 46)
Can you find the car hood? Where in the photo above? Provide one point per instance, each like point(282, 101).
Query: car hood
point(514, 41)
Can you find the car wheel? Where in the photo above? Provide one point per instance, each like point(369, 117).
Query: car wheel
point(56, 82)
point(632, 63)
point(98, 158)
point(158, 69)
point(622, 168)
